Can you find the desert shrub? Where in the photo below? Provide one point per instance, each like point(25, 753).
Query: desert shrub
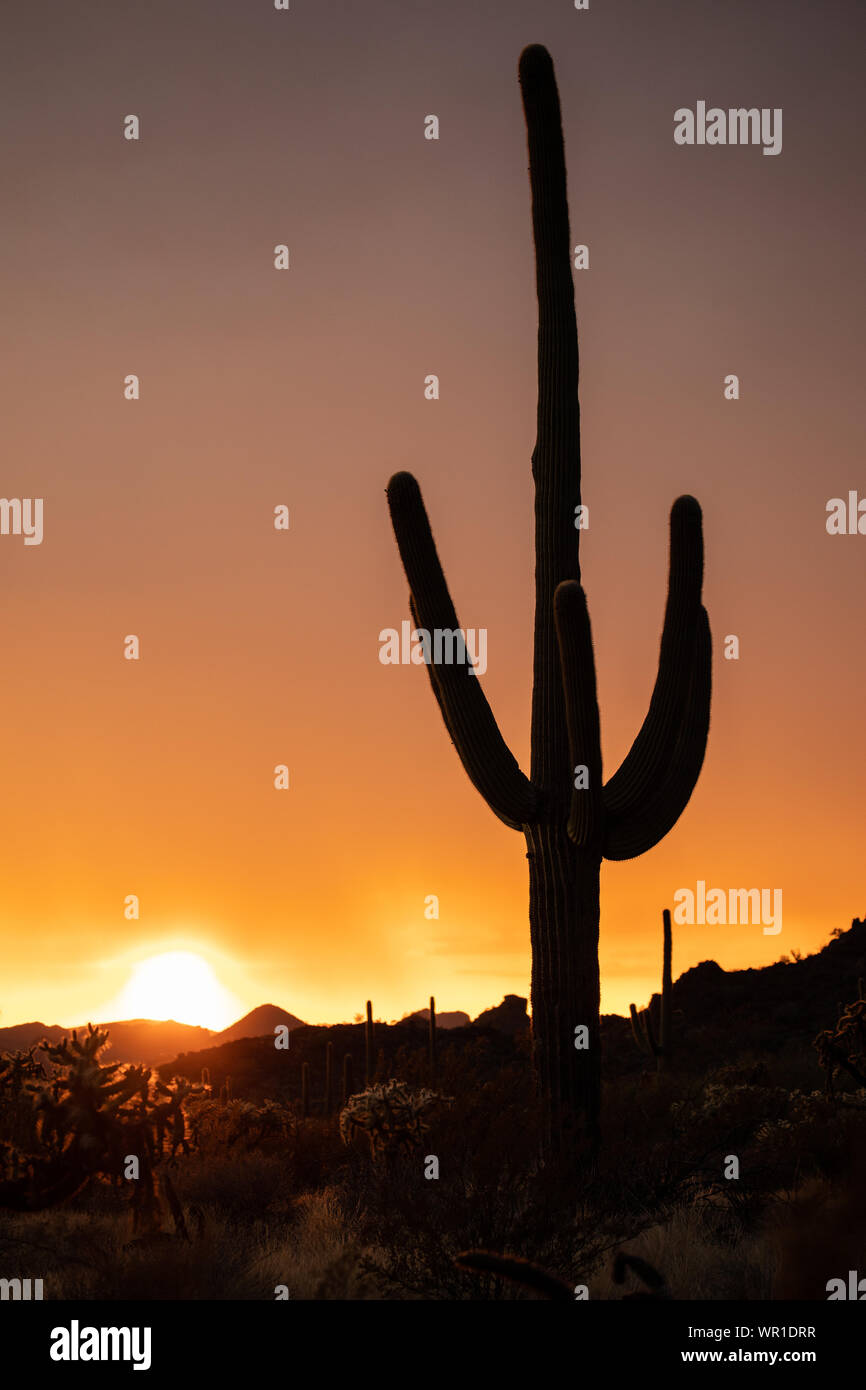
point(842, 1050)
point(394, 1118)
point(219, 1126)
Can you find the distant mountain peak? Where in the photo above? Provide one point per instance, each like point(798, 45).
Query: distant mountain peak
point(257, 1023)
point(508, 1017)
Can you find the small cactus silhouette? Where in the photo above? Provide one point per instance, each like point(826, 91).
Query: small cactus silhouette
point(642, 1025)
point(368, 1045)
point(329, 1079)
point(348, 1078)
point(432, 1039)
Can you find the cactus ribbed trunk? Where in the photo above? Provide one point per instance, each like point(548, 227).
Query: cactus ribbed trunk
point(563, 925)
point(368, 1045)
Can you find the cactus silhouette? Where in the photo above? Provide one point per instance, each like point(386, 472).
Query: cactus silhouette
point(569, 818)
point(348, 1078)
point(843, 1048)
point(329, 1079)
point(642, 1025)
point(431, 1039)
point(89, 1118)
point(368, 1045)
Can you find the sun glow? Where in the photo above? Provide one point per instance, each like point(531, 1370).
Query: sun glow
point(178, 985)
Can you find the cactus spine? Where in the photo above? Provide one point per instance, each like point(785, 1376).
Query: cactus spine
point(642, 1023)
point(432, 1039)
point(570, 819)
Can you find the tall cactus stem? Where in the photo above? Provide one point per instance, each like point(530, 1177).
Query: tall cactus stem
point(368, 1046)
point(432, 1039)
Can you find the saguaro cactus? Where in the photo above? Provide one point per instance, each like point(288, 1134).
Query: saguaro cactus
point(569, 818)
point(368, 1045)
point(348, 1078)
point(642, 1025)
point(329, 1079)
point(431, 1039)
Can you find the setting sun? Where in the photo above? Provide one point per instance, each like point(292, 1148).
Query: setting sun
point(177, 985)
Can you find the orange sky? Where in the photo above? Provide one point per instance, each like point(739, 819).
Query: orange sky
point(306, 388)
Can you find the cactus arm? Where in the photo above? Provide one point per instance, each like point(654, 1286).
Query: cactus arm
point(488, 761)
point(556, 457)
point(574, 635)
point(645, 766)
point(640, 826)
point(431, 671)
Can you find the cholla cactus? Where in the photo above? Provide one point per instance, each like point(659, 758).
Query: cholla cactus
point(393, 1117)
point(843, 1048)
point(16, 1068)
point(17, 1071)
point(214, 1126)
point(87, 1119)
point(168, 1115)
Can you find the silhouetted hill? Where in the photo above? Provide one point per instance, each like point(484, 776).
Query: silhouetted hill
point(718, 1013)
point(146, 1040)
point(259, 1070)
point(153, 1041)
point(719, 1016)
point(257, 1024)
point(24, 1035)
point(456, 1019)
point(508, 1017)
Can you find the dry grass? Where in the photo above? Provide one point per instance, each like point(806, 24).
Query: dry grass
point(695, 1263)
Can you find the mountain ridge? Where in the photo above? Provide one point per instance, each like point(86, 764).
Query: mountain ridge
point(800, 992)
